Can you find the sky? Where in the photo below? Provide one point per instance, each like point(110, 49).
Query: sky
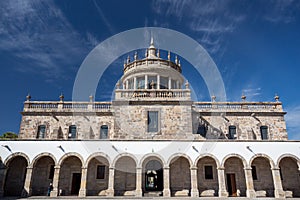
point(255, 45)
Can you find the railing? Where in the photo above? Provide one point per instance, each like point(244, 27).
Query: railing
point(153, 94)
point(152, 62)
point(238, 106)
point(61, 106)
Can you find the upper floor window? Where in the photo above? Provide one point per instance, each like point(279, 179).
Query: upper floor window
point(72, 131)
point(174, 84)
point(202, 130)
point(103, 132)
point(41, 131)
point(152, 121)
point(164, 82)
point(232, 132)
point(264, 132)
point(140, 82)
point(152, 82)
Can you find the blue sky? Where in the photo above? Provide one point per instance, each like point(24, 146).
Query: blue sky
point(255, 45)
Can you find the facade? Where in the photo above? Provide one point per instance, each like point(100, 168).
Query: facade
point(151, 140)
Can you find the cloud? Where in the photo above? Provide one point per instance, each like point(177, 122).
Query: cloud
point(293, 122)
point(251, 93)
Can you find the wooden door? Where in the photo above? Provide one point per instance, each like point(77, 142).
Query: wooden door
point(231, 185)
point(76, 180)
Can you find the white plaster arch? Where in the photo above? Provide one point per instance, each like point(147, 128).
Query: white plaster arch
point(179, 155)
point(288, 155)
point(113, 164)
point(232, 155)
point(16, 154)
point(148, 157)
point(207, 155)
point(261, 155)
point(44, 154)
point(67, 155)
point(97, 154)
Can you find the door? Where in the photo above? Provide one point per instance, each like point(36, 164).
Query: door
point(231, 185)
point(76, 180)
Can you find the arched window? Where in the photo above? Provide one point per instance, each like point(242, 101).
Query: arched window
point(72, 132)
point(232, 132)
point(264, 132)
point(103, 132)
point(41, 131)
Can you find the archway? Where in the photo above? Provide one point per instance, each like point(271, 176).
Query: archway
point(97, 175)
point(207, 175)
point(125, 175)
point(70, 176)
point(15, 176)
point(180, 175)
point(42, 175)
point(290, 175)
point(153, 176)
point(262, 176)
point(235, 177)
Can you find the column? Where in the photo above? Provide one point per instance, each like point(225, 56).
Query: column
point(110, 190)
point(3, 171)
point(54, 192)
point(127, 85)
point(138, 191)
point(194, 182)
point(279, 193)
point(134, 83)
point(124, 86)
point(170, 83)
point(146, 81)
point(222, 186)
point(82, 191)
point(158, 82)
point(166, 190)
point(249, 183)
point(27, 185)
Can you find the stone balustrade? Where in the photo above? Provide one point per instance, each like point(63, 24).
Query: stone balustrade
point(62, 106)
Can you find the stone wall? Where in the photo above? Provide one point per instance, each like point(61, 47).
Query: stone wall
point(180, 175)
point(290, 176)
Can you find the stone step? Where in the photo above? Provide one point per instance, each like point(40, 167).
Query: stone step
point(153, 194)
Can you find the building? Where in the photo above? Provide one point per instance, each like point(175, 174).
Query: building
point(151, 140)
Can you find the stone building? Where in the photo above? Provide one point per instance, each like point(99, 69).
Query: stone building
point(151, 140)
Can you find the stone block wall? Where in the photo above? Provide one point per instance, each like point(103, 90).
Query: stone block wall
point(180, 175)
point(290, 176)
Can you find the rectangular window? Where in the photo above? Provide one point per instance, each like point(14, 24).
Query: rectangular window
point(41, 131)
point(51, 172)
point(202, 130)
point(254, 174)
point(232, 132)
point(208, 170)
point(100, 172)
point(152, 121)
point(130, 83)
point(140, 82)
point(264, 132)
point(174, 84)
point(152, 82)
point(72, 131)
point(103, 132)
point(164, 82)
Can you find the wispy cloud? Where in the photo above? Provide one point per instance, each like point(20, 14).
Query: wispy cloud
point(293, 122)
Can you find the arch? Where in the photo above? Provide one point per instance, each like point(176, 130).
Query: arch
point(8, 159)
point(148, 156)
point(67, 155)
point(234, 155)
point(272, 164)
point(113, 164)
point(94, 155)
point(207, 155)
point(179, 155)
point(288, 155)
point(36, 158)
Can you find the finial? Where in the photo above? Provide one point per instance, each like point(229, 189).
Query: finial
point(158, 53)
point(28, 97)
point(213, 98)
point(135, 56)
point(124, 64)
point(176, 60)
point(91, 98)
point(276, 98)
point(152, 42)
point(128, 59)
point(243, 97)
point(169, 55)
point(187, 85)
point(179, 63)
point(61, 97)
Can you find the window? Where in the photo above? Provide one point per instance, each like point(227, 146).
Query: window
point(202, 130)
point(208, 170)
point(100, 172)
point(130, 83)
point(140, 83)
point(232, 132)
point(103, 132)
point(41, 131)
point(264, 132)
point(72, 131)
point(174, 84)
point(254, 174)
point(150, 79)
point(164, 82)
point(51, 172)
point(152, 121)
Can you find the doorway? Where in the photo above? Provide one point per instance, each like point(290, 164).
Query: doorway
point(153, 176)
point(231, 185)
point(76, 180)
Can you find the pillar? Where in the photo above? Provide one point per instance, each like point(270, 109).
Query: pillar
point(249, 183)
point(110, 190)
point(138, 192)
point(146, 81)
point(166, 190)
point(194, 182)
point(170, 83)
point(222, 186)
point(82, 191)
point(134, 83)
point(279, 193)
point(27, 185)
point(54, 192)
point(127, 85)
point(3, 171)
point(158, 82)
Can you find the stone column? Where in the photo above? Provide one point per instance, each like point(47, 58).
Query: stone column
point(158, 82)
point(146, 81)
point(166, 190)
point(3, 171)
point(170, 83)
point(54, 192)
point(194, 182)
point(249, 183)
point(134, 83)
point(82, 191)
point(279, 193)
point(222, 186)
point(110, 190)
point(27, 185)
point(138, 191)
point(127, 85)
